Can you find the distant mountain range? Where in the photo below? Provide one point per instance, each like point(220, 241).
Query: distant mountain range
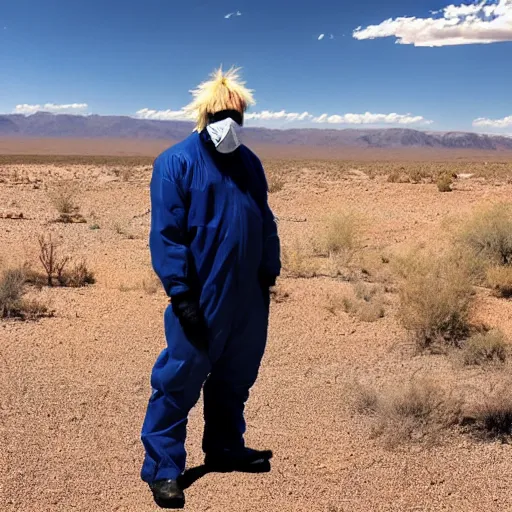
point(46, 125)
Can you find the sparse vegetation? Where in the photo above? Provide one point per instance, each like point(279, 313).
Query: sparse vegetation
point(488, 234)
point(341, 235)
point(444, 183)
point(78, 276)
point(415, 412)
point(340, 240)
point(13, 304)
point(492, 417)
point(275, 183)
point(150, 284)
point(63, 198)
point(435, 299)
point(55, 266)
point(52, 263)
point(366, 399)
point(367, 304)
point(297, 262)
point(484, 348)
point(499, 279)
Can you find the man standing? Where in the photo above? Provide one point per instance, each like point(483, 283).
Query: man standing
point(215, 247)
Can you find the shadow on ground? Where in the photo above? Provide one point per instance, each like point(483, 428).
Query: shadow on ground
point(192, 475)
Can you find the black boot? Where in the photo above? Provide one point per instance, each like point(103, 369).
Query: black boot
point(244, 461)
point(167, 494)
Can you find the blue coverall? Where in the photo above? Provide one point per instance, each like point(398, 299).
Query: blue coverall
point(212, 231)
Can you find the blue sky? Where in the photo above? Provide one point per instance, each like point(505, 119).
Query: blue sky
point(379, 63)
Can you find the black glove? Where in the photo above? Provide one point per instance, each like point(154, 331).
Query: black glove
point(266, 281)
point(186, 308)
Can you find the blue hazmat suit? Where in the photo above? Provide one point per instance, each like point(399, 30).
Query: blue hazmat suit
point(212, 231)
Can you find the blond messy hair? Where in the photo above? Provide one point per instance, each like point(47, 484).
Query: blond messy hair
point(224, 91)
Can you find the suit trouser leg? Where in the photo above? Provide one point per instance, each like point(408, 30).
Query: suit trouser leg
point(227, 388)
point(176, 379)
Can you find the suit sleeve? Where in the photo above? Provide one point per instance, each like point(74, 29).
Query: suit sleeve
point(168, 232)
point(271, 261)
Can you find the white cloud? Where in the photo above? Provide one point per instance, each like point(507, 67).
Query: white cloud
point(231, 14)
point(271, 117)
point(72, 108)
point(493, 123)
point(282, 115)
point(162, 115)
point(488, 21)
point(368, 118)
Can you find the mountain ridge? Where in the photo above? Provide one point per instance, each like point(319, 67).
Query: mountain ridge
point(48, 125)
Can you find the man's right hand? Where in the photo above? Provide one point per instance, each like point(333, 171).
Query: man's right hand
point(189, 314)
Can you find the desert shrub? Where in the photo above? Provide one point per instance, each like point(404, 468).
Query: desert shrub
point(127, 173)
point(488, 234)
point(414, 412)
point(275, 183)
point(366, 399)
point(370, 312)
point(499, 279)
point(435, 299)
point(12, 301)
point(53, 264)
point(63, 196)
point(482, 348)
point(393, 177)
point(12, 288)
point(419, 175)
point(297, 262)
point(78, 276)
point(341, 238)
point(56, 267)
point(367, 305)
point(492, 416)
point(444, 183)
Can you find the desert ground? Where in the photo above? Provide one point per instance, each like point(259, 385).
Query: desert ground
point(333, 399)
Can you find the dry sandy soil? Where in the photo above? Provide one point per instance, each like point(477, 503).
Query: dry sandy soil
point(74, 387)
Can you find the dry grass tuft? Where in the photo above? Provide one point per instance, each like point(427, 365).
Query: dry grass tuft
point(63, 196)
point(56, 266)
point(488, 234)
point(492, 417)
point(367, 304)
point(149, 285)
point(12, 301)
point(416, 412)
point(444, 183)
point(297, 262)
point(366, 399)
point(499, 279)
point(78, 276)
point(484, 348)
point(275, 183)
point(341, 238)
point(435, 299)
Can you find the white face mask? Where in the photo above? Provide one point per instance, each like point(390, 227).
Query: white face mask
point(225, 135)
